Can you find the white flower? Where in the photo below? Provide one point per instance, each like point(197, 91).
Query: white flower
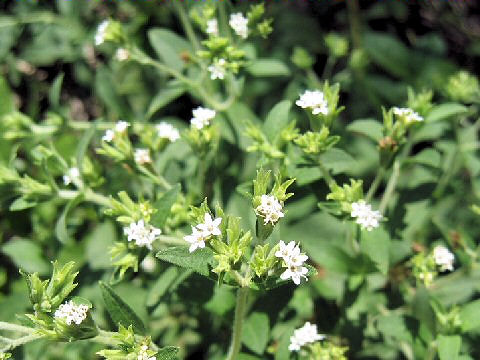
point(366, 217)
point(270, 209)
point(285, 249)
point(121, 126)
point(307, 334)
point(239, 24)
point(196, 239)
point(294, 272)
point(122, 54)
point(202, 117)
point(143, 354)
point(212, 27)
point(314, 100)
point(109, 135)
point(71, 175)
point(291, 253)
point(218, 69)
point(142, 156)
point(148, 264)
point(100, 35)
point(143, 234)
point(443, 258)
point(407, 114)
point(72, 313)
point(210, 226)
point(167, 131)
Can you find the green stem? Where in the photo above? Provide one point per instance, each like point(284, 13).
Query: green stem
point(106, 337)
point(21, 341)
point(156, 178)
point(391, 185)
point(224, 20)
point(187, 25)
point(236, 342)
point(355, 26)
point(327, 71)
point(14, 327)
point(90, 196)
point(375, 184)
point(326, 175)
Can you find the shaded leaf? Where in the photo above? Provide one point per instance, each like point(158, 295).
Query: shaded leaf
point(197, 261)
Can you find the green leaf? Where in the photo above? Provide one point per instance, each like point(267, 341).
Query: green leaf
point(98, 244)
point(26, 255)
point(470, 316)
point(445, 111)
point(375, 244)
point(167, 353)
point(337, 160)
point(83, 145)
point(256, 332)
point(449, 347)
point(164, 205)
point(61, 227)
point(197, 261)
point(371, 128)
point(22, 204)
point(222, 301)
point(267, 68)
point(120, 312)
point(169, 46)
point(7, 104)
point(430, 157)
point(55, 91)
point(277, 119)
point(161, 286)
point(164, 97)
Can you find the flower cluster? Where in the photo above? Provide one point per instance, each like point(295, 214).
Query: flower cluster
point(270, 209)
point(72, 313)
point(71, 175)
point(120, 127)
point(144, 353)
point(122, 54)
point(201, 117)
point(218, 69)
point(239, 24)
point(212, 27)
point(366, 217)
point(307, 334)
point(142, 156)
point(314, 100)
point(294, 261)
point(101, 30)
point(443, 258)
point(143, 234)
point(167, 131)
point(407, 115)
point(202, 232)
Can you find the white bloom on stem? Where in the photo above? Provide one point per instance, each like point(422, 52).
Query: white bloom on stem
point(142, 156)
point(122, 54)
point(196, 239)
point(366, 217)
point(314, 100)
point(202, 117)
point(109, 135)
point(71, 175)
point(218, 69)
point(270, 209)
point(239, 24)
point(143, 234)
point(407, 114)
point(307, 334)
point(72, 313)
point(285, 249)
point(295, 273)
point(212, 27)
point(294, 261)
point(143, 354)
point(100, 35)
point(121, 126)
point(210, 227)
point(443, 258)
point(167, 131)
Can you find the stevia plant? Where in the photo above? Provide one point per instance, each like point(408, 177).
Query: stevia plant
point(222, 196)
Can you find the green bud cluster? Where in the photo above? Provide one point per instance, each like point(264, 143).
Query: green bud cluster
point(203, 141)
point(127, 211)
point(315, 143)
point(464, 87)
point(302, 58)
point(130, 347)
point(423, 267)
point(337, 45)
point(327, 350)
point(346, 194)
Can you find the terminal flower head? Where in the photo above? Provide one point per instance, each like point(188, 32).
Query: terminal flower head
point(167, 131)
point(72, 313)
point(407, 115)
point(142, 156)
point(142, 234)
point(202, 117)
point(307, 334)
point(212, 27)
point(122, 54)
point(71, 175)
point(313, 100)
point(443, 258)
point(210, 226)
point(239, 24)
point(109, 135)
point(101, 30)
point(218, 69)
point(366, 217)
point(121, 126)
point(196, 239)
point(270, 209)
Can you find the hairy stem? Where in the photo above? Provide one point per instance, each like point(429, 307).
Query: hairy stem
point(21, 341)
point(236, 342)
point(391, 185)
point(186, 24)
point(90, 196)
point(326, 175)
point(14, 327)
point(375, 184)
